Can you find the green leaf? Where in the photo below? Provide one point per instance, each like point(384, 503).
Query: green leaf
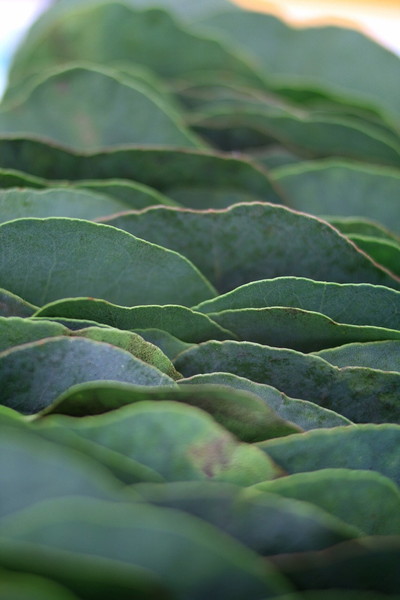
point(369, 566)
point(368, 447)
point(130, 193)
point(384, 252)
point(10, 178)
point(304, 414)
point(179, 321)
point(33, 375)
point(151, 38)
point(90, 577)
point(194, 446)
point(171, 172)
point(169, 344)
point(15, 331)
point(366, 500)
point(356, 304)
point(254, 241)
point(263, 522)
point(22, 203)
point(191, 558)
point(240, 412)
point(14, 306)
point(362, 395)
point(84, 95)
point(29, 587)
point(288, 59)
point(47, 259)
point(134, 344)
point(384, 356)
point(295, 328)
point(34, 469)
point(306, 133)
point(359, 226)
point(338, 188)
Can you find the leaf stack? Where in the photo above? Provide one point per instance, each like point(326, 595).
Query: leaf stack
point(199, 308)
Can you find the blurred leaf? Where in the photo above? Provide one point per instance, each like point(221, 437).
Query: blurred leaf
point(264, 522)
point(288, 58)
point(384, 252)
point(371, 566)
point(366, 500)
point(170, 171)
point(33, 469)
point(369, 447)
point(338, 188)
point(20, 203)
point(240, 412)
point(84, 96)
point(14, 306)
point(191, 558)
point(194, 446)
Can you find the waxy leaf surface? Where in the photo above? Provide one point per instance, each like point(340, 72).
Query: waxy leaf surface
point(254, 241)
point(47, 259)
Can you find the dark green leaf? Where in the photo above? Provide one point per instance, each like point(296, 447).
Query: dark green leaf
point(194, 446)
point(365, 500)
point(33, 375)
point(295, 328)
point(47, 259)
point(130, 193)
point(362, 395)
point(306, 415)
point(179, 321)
point(33, 469)
point(264, 522)
point(356, 304)
point(370, 566)
point(303, 132)
point(255, 241)
point(240, 412)
point(384, 252)
point(288, 58)
point(191, 558)
point(148, 37)
point(168, 171)
point(13, 306)
point(375, 355)
point(169, 344)
point(20, 203)
point(84, 96)
point(339, 188)
point(15, 331)
point(29, 587)
point(369, 447)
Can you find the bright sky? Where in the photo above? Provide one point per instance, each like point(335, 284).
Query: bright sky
point(379, 18)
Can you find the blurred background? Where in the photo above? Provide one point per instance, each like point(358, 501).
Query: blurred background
point(377, 18)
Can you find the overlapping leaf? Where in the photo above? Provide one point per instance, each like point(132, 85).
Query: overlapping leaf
point(360, 394)
point(33, 375)
point(254, 241)
point(172, 172)
point(85, 95)
point(355, 304)
point(332, 187)
point(77, 258)
point(181, 322)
